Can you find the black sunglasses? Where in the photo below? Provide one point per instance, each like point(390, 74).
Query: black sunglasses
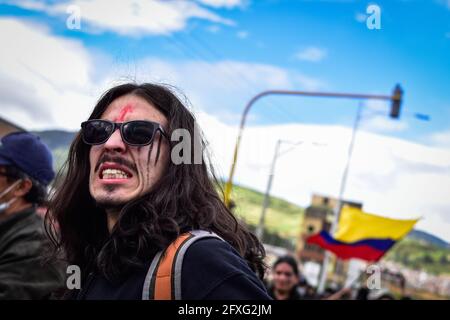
point(133, 133)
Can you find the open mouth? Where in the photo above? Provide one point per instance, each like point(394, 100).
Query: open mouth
point(110, 171)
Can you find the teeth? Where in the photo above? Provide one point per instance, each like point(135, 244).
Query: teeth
point(114, 174)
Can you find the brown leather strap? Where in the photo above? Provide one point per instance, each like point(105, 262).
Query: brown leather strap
point(163, 279)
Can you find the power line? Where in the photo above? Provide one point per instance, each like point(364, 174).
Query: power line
point(193, 51)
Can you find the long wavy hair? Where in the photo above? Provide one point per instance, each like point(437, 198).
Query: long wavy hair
point(186, 197)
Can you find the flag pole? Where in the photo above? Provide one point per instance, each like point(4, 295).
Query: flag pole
point(337, 209)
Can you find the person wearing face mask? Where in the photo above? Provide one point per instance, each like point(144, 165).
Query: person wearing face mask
point(25, 171)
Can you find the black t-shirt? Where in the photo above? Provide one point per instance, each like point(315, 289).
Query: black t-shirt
point(212, 269)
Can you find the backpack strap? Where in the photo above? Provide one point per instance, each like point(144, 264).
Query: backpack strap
point(163, 279)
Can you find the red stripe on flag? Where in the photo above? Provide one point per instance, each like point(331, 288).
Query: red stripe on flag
point(343, 251)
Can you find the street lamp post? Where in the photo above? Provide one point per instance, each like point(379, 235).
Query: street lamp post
point(395, 98)
point(260, 229)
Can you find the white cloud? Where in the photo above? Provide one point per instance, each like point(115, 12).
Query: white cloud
point(360, 17)
point(222, 87)
point(44, 80)
point(441, 139)
point(213, 28)
point(311, 54)
point(56, 77)
point(130, 17)
point(309, 83)
point(392, 177)
point(445, 3)
point(375, 118)
point(223, 3)
point(384, 124)
point(242, 34)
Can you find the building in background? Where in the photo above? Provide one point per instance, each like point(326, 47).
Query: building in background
point(7, 127)
point(319, 216)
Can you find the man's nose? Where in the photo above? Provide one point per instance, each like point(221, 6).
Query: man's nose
point(115, 142)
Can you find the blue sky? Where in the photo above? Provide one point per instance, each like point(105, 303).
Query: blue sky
point(411, 48)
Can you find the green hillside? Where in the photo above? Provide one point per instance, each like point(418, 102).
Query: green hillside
point(282, 217)
point(59, 157)
point(420, 255)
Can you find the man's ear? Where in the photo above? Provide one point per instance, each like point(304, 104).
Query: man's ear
point(24, 187)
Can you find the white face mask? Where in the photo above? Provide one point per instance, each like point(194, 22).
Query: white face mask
point(5, 205)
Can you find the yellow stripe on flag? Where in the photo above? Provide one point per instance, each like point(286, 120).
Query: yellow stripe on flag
point(355, 225)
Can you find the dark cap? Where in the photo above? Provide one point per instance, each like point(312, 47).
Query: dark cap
point(29, 154)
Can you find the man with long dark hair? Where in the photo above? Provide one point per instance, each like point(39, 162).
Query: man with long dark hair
point(123, 205)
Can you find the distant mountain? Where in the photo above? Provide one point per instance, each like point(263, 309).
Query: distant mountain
point(56, 138)
point(428, 238)
point(421, 255)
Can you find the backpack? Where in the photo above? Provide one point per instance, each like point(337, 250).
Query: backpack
point(163, 279)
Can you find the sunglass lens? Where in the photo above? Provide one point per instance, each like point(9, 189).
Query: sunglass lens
point(95, 132)
point(138, 132)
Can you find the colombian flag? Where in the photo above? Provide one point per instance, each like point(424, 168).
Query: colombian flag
point(363, 235)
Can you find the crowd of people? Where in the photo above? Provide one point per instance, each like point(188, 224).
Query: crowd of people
point(287, 283)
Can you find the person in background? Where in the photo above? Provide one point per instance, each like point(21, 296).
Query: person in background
point(285, 279)
point(25, 171)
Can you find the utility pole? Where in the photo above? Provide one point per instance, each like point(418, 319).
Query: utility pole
point(260, 229)
point(276, 155)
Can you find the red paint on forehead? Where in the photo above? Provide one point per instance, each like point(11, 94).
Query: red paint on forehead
point(123, 112)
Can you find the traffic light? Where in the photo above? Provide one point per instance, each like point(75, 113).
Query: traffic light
point(397, 97)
